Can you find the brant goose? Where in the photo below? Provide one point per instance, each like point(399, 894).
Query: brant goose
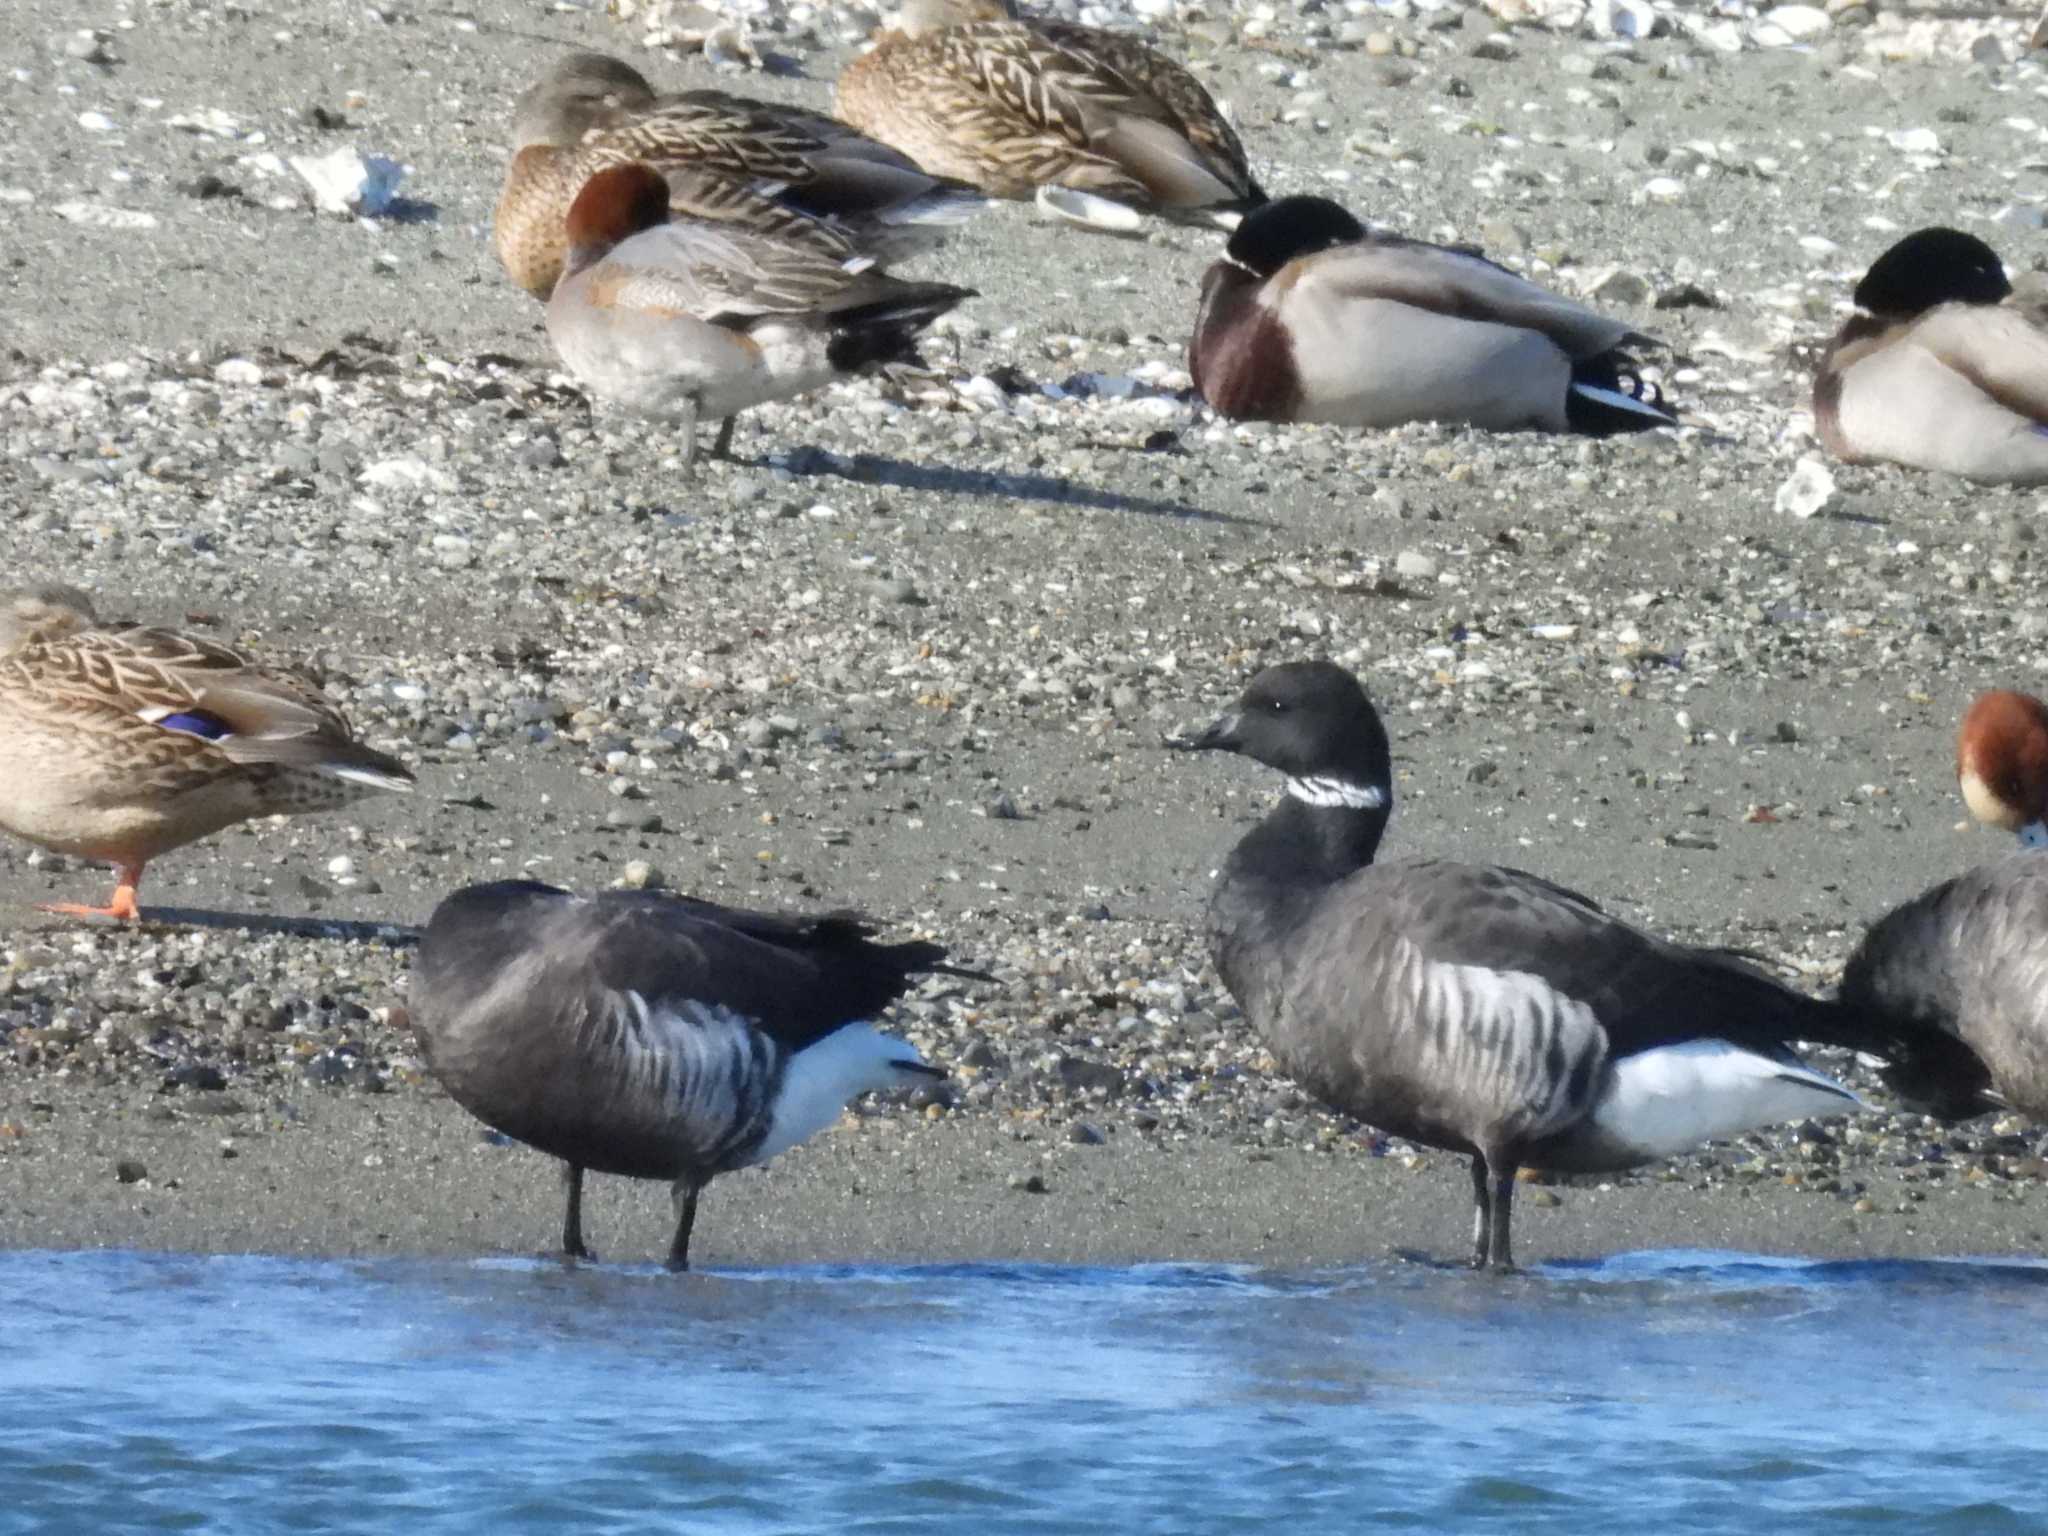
point(1477, 1009)
point(1094, 123)
point(120, 742)
point(770, 166)
point(1310, 318)
point(694, 318)
point(1954, 984)
point(655, 1036)
point(1935, 370)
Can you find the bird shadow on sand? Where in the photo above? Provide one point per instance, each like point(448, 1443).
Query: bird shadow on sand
point(902, 475)
point(163, 919)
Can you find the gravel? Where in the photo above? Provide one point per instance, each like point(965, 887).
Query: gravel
point(916, 651)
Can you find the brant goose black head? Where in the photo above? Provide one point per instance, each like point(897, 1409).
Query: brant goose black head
point(1930, 267)
point(1293, 227)
point(1313, 722)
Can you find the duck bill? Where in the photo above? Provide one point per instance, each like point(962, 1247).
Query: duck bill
point(1220, 736)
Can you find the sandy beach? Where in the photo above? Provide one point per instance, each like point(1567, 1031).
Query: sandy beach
point(915, 651)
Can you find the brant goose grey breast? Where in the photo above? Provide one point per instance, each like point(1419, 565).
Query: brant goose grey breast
point(1473, 1008)
point(656, 1036)
point(1954, 984)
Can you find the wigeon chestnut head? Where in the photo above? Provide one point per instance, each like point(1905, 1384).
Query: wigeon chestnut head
point(2002, 763)
point(1936, 369)
point(1106, 128)
point(688, 319)
point(726, 157)
point(121, 742)
point(1309, 317)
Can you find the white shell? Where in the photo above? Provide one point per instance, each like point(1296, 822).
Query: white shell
point(1089, 211)
point(1810, 487)
point(347, 183)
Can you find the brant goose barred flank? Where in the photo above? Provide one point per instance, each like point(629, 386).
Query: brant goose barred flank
point(120, 742)
point(1953, 985)
point(1478, 1009)
point(973, 93)
point(1309, 317)
point(657, 1037)
point(778, 169)
point(1937, 369)
point(684, 319)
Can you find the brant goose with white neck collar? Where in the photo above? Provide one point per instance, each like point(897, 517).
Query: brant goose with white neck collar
point(1473, 1008)
point(655, 1036)
point(1954, 983)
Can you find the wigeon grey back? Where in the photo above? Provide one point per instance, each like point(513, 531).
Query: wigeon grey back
point(655, 1036)
point(1308, 317)
point(1937, 370)
point(689, 319)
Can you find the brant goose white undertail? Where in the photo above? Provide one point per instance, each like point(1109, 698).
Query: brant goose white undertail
point(1478, 1009)
point(655, 1036)
point(1954, 984)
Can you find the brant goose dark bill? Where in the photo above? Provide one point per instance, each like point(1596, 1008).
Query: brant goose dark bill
point(1478, 1009)
point(1954, 984)
point(656, 1036)
point(1309, 317)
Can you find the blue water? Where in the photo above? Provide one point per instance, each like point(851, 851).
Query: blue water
point(1695, 1392)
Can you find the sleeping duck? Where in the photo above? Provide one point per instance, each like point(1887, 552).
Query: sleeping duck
point(1309, 318)
point(1935, 369)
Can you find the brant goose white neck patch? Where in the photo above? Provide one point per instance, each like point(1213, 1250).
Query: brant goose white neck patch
point(1335, 792)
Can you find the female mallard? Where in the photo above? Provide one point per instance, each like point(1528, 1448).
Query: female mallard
point(123, 742)
point(1935, 370)
point(1310, 318)
point(685, 319)
point(727, 157)
point(969, 91)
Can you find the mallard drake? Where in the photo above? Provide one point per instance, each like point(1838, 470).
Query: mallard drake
point(970, 91)
point(122, 742)
point(684, 319)
point(1935, 369)
point(1310, 318)
point(772, 167)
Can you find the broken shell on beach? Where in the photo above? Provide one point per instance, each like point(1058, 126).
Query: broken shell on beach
point(911, 646)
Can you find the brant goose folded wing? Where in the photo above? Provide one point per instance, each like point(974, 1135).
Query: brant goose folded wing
point(1936, 369)
point(1954, 984)
point(657, 1037)
point(1308, 317)
point(121, 742)
point(1473, 1008)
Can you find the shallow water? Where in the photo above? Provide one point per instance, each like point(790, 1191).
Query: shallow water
point(1703, 1392)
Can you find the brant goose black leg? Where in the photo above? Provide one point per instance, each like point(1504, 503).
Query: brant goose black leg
point(1501, 1255)
point(572, 1218)
point(1482, 1213)
point(684, 1194)
point(721, 447)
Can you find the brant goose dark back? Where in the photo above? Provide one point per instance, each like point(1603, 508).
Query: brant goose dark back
point(656, 1036)
point(1477, 1009)
point(1954, 984)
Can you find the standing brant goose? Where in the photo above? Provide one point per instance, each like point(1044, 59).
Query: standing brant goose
point(1478, 1009)
point(655, 1036)
point(1954, 983)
